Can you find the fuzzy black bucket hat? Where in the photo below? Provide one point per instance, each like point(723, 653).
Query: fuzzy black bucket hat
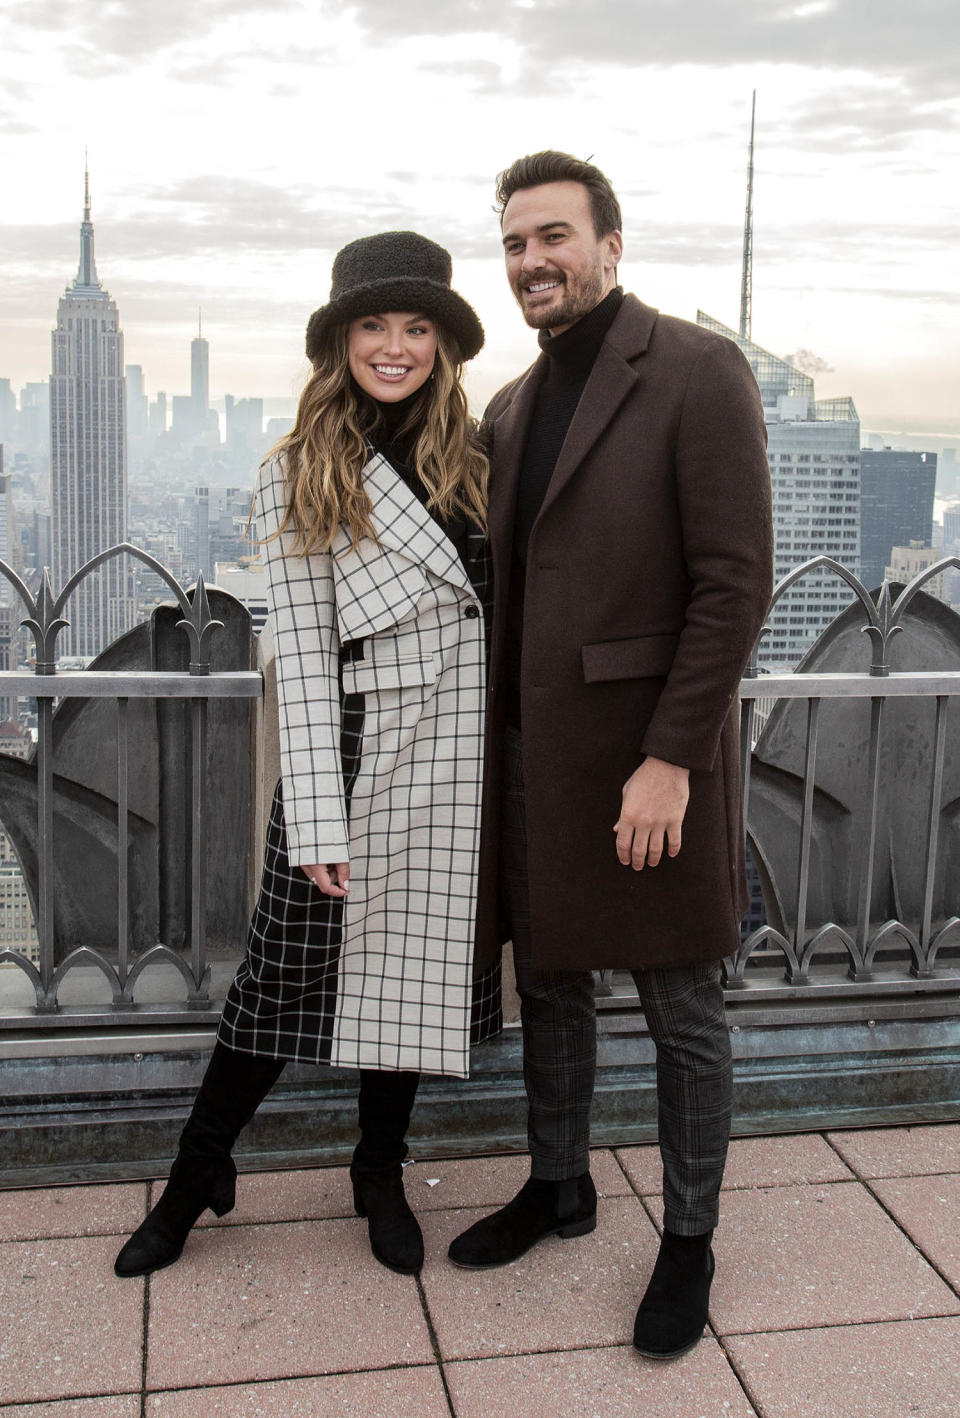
point(395, 270)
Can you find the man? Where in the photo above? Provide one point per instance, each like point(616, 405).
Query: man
point(630, 532)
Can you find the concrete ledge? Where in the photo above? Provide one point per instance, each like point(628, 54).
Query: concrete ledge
point(112, 1116)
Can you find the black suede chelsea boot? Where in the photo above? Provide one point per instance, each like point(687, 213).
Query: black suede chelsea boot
point(673, 1311)
point(539, 1209)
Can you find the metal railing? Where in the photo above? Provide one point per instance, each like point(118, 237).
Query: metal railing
point(773, 966)
point(824, 963)
point(198, 686)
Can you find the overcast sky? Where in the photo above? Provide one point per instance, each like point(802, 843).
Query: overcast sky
point(235, 146)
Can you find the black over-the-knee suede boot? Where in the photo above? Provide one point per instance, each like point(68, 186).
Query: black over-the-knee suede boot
point(203, 1173)
point(385, 1103)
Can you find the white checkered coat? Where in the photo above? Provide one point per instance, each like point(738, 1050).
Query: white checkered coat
point(411, 835)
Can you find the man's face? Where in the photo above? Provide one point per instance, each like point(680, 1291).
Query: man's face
point(557, 266)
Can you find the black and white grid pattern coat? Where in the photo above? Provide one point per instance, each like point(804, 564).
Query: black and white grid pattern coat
point(381, 681)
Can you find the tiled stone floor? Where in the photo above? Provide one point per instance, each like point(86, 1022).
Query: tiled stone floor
point(837, 1296)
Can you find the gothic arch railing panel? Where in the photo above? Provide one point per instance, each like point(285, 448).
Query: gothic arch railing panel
point(43, 806)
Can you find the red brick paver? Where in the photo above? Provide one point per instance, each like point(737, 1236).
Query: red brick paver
point(928, 1208)
point(67, 1328)
point(278, 1301)
point(751, 1162)
point(900, 1152)
point(837, 1296)
point(599, 1383)
point(390, 1393)
point(111, 1406)
point(41, 1213)
point(564, 1294)
point(799, 1257)
point(900, 1370)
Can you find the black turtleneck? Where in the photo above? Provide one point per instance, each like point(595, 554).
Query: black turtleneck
point(570, 358)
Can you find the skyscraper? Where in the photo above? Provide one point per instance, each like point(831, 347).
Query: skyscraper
point(200, 377)
point(896, 506)
point(814, 451)
point(136, 404)
point(88, 454)
point(194, 422)
point(8, 546)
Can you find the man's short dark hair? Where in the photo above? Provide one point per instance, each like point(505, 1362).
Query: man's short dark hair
point(551, 166)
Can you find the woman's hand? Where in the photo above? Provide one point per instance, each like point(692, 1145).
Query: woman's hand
point(332, 879)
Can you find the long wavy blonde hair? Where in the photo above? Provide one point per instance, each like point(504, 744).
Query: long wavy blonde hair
point(325, 452)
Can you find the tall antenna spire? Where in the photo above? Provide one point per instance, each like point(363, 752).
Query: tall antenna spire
point(199, 322)
point(87, 271)
point(746, 278)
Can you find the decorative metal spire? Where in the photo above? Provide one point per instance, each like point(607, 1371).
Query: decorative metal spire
point(746, 279)
point(87, 272)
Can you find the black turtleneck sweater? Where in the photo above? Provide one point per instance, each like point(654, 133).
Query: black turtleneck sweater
point(570, 358)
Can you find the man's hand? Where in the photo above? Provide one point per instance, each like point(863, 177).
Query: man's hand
point(651, 814)
point(332, 879)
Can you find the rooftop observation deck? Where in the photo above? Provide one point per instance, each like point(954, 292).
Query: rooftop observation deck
point(837, 1296)
point(838, 1261)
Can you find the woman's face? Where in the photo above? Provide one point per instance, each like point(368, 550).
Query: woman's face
point(391, 356)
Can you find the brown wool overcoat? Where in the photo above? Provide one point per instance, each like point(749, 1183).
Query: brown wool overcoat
point(649, 573)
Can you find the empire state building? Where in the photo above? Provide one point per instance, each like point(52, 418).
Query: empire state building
point(88, 455)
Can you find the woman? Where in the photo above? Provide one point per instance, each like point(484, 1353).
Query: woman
point(361, 946)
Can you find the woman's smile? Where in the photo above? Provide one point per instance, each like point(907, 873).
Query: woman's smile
point(391, 356)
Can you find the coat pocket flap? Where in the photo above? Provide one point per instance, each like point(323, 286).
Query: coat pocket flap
point(643, 656)
point(367, 677)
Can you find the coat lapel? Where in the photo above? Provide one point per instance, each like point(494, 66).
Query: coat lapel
point(509, 436)
point(611, 379)
point(403, 524)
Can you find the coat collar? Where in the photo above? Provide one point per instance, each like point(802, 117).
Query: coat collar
point(403, 524)
point(611, 379)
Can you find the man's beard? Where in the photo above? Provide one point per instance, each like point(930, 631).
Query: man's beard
point(576, 302)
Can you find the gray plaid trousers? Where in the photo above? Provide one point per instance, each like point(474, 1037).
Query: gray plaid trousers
point(684, 1011)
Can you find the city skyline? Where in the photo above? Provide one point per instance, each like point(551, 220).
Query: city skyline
point(857, 141)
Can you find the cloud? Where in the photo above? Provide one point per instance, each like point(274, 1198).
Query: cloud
point(918, 41)
point(552, 44)
point(878, 117)
point(223, 221)
point(694, 243)
point(809, 363)
point(924, 297)
point(220, 221)
point(211, 213)
point(12, 125)
point(896, 242)
point(117, 33)
point(482, 76)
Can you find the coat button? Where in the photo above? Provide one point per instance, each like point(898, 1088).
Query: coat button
point(471, 613)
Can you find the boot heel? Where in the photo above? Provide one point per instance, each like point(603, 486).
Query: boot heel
point(223, 1201)
point(358, 1205)
point(578, 1228)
